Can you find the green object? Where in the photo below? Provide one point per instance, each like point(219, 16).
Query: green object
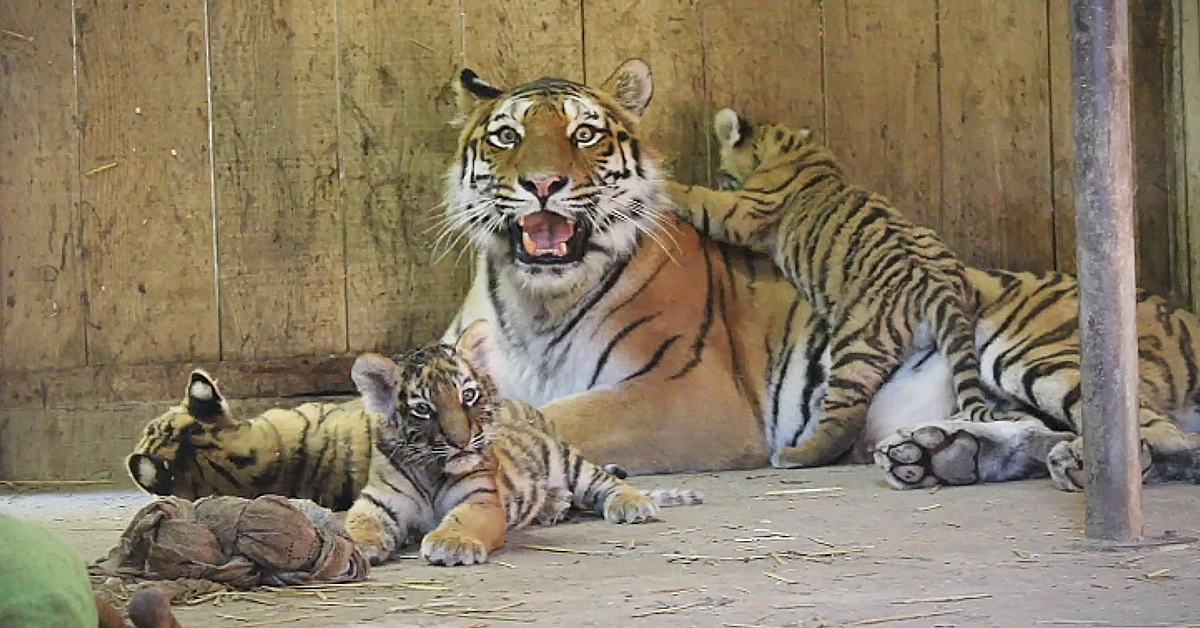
point(43, 581)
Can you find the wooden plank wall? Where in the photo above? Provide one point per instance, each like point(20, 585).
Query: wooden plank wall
point(253, 187)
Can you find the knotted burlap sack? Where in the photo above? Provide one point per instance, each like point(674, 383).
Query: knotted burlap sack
point(270, 540)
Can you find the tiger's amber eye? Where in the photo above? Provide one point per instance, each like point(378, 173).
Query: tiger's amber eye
point(505, 137)
point(585, 135)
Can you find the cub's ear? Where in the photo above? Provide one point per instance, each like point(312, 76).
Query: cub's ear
point(730, 128)
point(376, 379)
point(471, 90)
point(632, 85)
point(204, 401)
point(475, 345)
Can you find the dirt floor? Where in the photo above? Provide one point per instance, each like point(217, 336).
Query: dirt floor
point(829, 547)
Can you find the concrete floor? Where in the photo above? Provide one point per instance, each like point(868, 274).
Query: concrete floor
point(759, 553)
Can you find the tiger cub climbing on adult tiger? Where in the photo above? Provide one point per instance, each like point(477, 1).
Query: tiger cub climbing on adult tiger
point(457, 463)
point(886, 286)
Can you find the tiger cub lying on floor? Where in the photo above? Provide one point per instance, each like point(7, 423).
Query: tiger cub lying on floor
point(318, 451)
point(455, 462)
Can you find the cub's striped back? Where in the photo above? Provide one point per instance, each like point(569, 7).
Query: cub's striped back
point(456, 461)
point(886, 286)
point(318, 451)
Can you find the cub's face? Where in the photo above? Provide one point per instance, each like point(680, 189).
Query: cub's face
point(170, 442)
point(436, 406)
point(552, 179)
point(744, 147)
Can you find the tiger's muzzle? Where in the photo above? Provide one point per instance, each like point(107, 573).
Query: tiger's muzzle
point(548, 238)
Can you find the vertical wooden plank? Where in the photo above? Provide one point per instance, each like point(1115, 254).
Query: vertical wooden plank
point(1189, 43)
point(509, 42)
point(280, 227)
point(1184, 42)
point(883, 117)
point(1062, 130)
point(1147, 49)
point(996, 133)
point(397, 64)
point(147, 200)
point(667, 35)
point(41, 305)
point(766, 63)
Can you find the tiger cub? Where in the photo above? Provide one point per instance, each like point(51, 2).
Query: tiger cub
point(458, 464)
point(318, 451)
point(885, 286)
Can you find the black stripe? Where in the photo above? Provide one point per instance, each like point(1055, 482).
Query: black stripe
point(705, 323)
point(612, 344)
point(592, 299)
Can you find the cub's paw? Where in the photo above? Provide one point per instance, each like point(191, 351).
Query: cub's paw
point(371, 537)
point(1066, 464)
point(630, 506)
point(375, 555)
point(451, 547)
point(557, 508)
point(928, 455)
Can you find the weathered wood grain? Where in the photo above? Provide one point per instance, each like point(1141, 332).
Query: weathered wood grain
point(667, 35)
point(93, 386)
point(1062, 129)
point(883, 117)
point(996, 133)
point(281, 246)
point(147, 200)
point(509, 42)
point(1148, 30)
point(41, 280)
point(397, 64)
point(766, 62)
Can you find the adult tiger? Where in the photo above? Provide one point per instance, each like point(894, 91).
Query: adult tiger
point(653, 347)
point(646, 344)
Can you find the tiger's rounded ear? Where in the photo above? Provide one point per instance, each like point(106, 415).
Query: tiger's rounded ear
point(475, 345)
point(376, 379)
point(805, 133)
point(471, 90)
point(204, 401)
point(730, 128)
point(632, 85)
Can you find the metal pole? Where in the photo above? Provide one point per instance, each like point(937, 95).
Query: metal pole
point(1107, 314)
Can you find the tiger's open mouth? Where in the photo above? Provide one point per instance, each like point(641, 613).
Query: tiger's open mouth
point(545, 237)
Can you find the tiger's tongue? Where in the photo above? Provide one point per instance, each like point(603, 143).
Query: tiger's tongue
point(546, 232)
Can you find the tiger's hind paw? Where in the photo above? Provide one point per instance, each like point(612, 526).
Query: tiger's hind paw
point(925, 456)
point(557, 508)
point(630, 506)
point(957, 452)
point(1066, 464)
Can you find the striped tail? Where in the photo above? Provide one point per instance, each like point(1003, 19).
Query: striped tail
point(672, 497)
point(956, 341)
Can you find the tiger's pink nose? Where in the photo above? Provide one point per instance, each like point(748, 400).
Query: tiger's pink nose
point(543, 186)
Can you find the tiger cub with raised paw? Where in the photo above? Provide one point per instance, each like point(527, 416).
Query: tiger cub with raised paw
point(885, 286)
point(461, 466)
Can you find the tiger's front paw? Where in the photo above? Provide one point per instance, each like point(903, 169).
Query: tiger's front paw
point(452, 547)
point(630, 506)
point(371, 537)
